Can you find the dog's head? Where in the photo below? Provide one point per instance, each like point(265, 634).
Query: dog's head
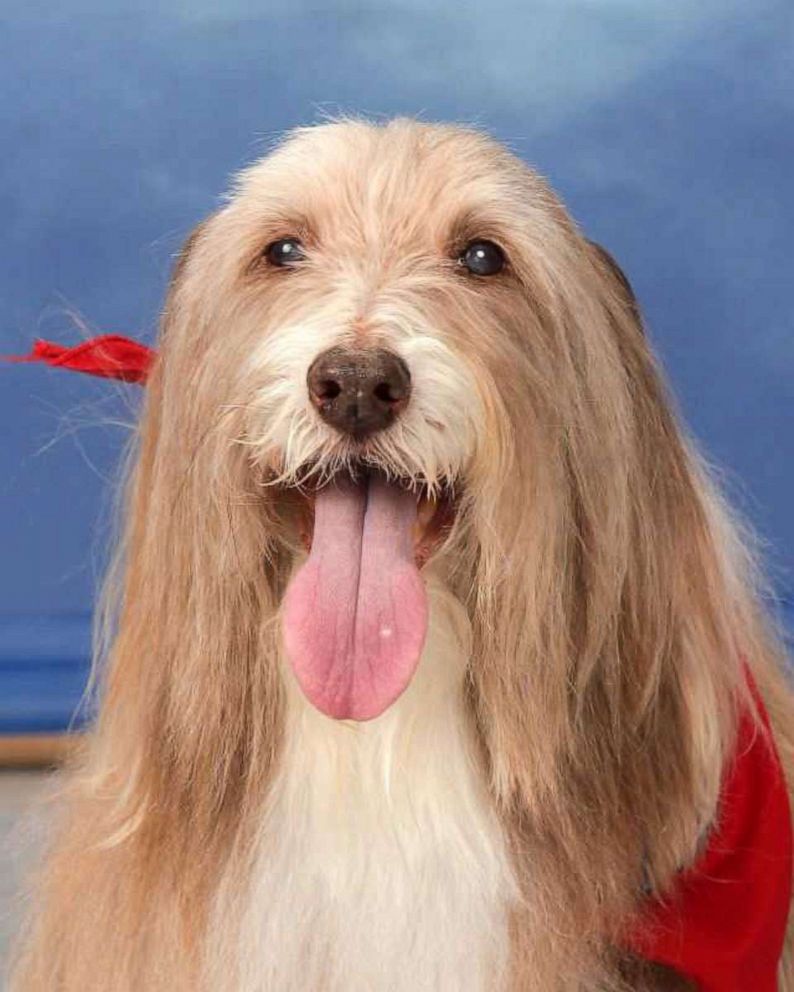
point(393, 350)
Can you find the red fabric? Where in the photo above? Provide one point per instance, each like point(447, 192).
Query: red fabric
point(110, 356)
point(724, 923)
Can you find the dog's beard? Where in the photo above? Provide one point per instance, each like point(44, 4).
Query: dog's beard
point(370, 514)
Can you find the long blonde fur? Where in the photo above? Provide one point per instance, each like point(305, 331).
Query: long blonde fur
point(598, 591)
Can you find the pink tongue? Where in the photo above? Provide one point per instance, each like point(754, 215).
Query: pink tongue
point(355, 615)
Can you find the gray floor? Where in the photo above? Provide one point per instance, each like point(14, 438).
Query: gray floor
point(22, 823)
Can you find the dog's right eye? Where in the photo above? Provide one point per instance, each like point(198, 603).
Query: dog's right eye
point(482, 258)
point(284, 252)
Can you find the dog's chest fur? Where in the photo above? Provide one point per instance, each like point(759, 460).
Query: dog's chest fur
point(381, 865)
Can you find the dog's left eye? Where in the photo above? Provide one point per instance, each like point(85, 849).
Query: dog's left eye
point(482, 258)
point(285, 251)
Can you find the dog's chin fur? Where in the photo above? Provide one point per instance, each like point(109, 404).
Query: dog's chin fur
point(562, 743)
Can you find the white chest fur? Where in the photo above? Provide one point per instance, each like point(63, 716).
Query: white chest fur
point(381, 865)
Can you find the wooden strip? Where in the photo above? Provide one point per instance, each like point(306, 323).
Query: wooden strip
point(36, 750)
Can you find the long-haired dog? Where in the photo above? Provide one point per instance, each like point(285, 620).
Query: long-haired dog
point(429, 634)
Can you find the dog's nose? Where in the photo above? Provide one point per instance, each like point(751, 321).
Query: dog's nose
point(359, 391)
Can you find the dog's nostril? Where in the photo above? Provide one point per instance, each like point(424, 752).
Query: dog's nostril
point(387, 392)
point(359, 391)
point(328, 389)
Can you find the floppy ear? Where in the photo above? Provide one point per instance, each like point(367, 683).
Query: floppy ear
point(191, 594)
point(178, 269)
point(188, 245)
point(606, 261)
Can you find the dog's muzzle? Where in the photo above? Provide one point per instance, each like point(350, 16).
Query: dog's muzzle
point(359, 392)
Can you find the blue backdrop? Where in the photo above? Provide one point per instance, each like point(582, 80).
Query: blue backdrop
point(666, 125)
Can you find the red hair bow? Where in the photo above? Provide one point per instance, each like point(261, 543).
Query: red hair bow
point(110, 356)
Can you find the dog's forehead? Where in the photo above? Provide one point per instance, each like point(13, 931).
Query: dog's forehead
point(336, 173)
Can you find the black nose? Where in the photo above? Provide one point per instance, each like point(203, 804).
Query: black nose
point(359, 391)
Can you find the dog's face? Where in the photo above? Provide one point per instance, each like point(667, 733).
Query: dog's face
point(387, 321)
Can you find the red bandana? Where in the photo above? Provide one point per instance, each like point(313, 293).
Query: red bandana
point(724, 922)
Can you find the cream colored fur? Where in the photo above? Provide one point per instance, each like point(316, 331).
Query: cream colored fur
point(380, 863)
point(592, 608)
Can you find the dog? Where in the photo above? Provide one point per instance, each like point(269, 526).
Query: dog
point(429, 639)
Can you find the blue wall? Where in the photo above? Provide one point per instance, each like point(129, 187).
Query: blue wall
point(665, 124)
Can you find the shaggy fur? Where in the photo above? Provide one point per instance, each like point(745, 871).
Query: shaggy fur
point(574, 708)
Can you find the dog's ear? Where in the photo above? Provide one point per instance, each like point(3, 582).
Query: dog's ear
point(607, 261)
point(178, 270)
point(185, 251)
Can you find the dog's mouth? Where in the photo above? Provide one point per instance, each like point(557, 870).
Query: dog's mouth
point(355, 614)
point(435, 511)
